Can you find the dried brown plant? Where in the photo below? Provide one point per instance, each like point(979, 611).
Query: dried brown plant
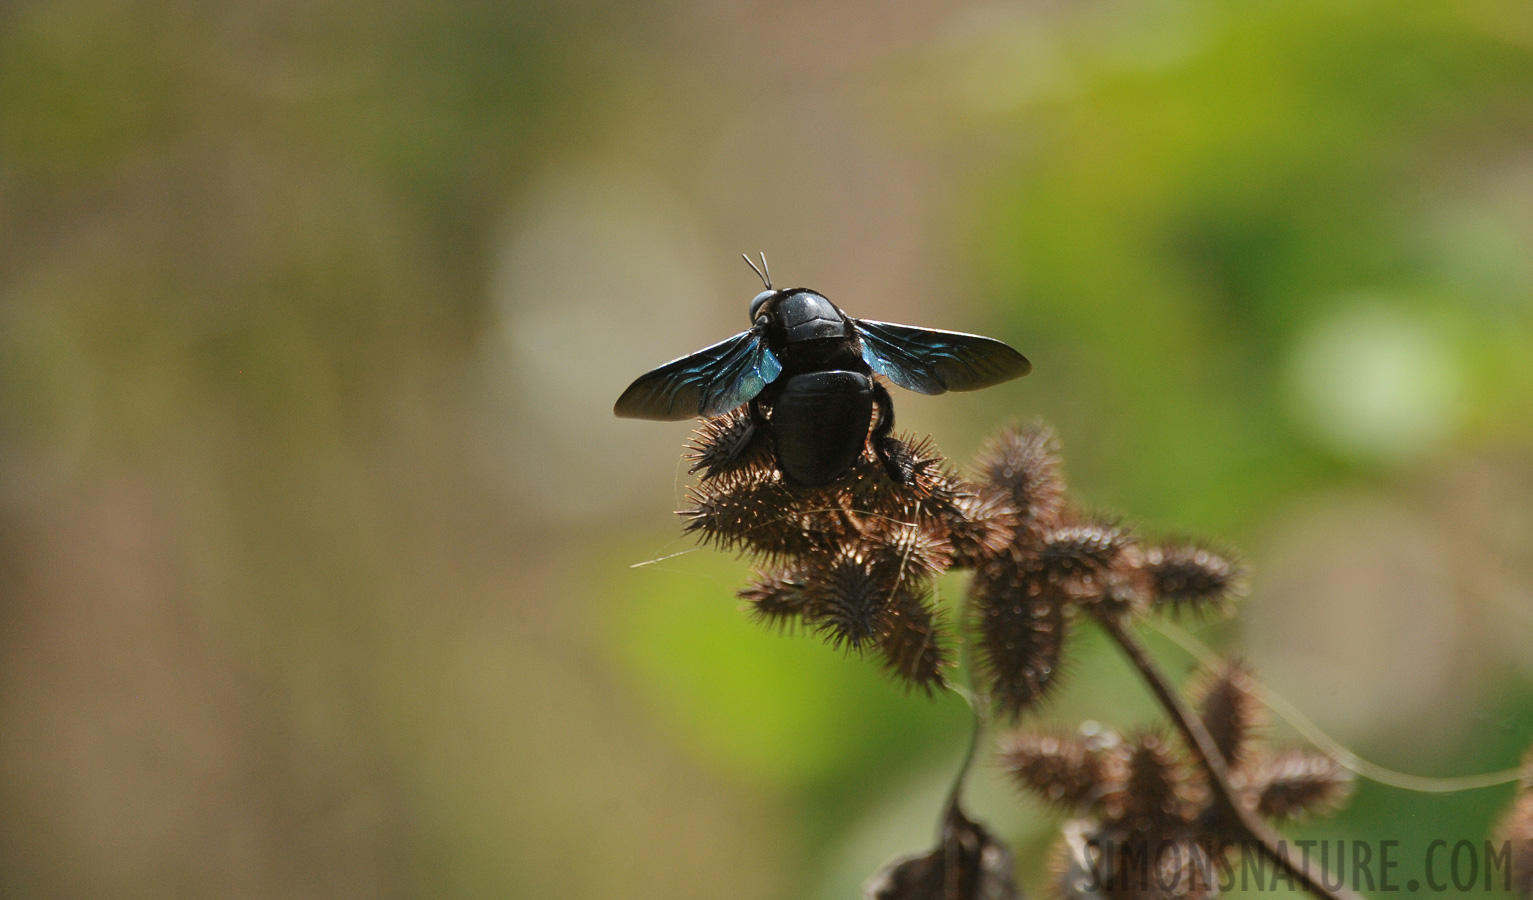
point(1136, 794)
point(854, 562)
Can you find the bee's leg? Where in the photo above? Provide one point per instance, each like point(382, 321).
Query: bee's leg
point(883, 445)
point(761, 430)
point(755, 429)
point(734, 446)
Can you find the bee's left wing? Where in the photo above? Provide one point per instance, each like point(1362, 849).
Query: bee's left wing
point(930, 361)
point(710, 382)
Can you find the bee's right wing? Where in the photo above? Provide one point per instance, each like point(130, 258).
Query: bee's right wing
point(932, 361)
point(710, 382)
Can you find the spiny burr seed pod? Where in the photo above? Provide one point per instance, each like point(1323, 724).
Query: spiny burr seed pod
point(1022, 619)
point(1118, 592)
point(916, 550)
point(728, 443)
point(1071, 771)
point(869, 492)
point(779, 598)
point(747, 511)
point(910, 640)
point(979, 528)
point(1296, 784)
point(929, 489)
point(756, 512)
point(1099, 566)
point(854, 596)
point(1023, 466)
point(1159, 793)
point(1187, 577)
point(940, 488)
point(1230, 709)
point(1071, 552)
point(850, 594)
point(922, 492)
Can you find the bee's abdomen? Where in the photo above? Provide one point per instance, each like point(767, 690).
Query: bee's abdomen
point(820, 420)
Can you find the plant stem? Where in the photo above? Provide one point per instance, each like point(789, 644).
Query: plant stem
point(1203, 748)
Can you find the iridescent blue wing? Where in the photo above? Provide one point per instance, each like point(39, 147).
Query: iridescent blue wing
point(929, 361)
point(710, 382)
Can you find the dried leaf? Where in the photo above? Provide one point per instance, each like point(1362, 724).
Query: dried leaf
point(967, 864)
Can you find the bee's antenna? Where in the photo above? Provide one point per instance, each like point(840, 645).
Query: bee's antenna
point(768, 270)
point(766, 278)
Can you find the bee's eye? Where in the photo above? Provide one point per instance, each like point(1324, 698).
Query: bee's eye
point(761, 298)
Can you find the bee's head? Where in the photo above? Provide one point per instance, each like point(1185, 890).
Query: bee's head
point(758, 305)
point(765, 275)
point(797, 314)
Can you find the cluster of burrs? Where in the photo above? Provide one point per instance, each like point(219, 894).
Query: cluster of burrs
point(854, 560)
point(1146, 823)
point(1151, 816)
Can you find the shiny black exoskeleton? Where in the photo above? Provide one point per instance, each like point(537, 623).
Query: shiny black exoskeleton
point(806, 368)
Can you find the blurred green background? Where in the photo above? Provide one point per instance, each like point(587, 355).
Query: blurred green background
point(317, 534)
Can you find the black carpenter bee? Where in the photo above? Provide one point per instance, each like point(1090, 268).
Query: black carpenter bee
point(806, 368)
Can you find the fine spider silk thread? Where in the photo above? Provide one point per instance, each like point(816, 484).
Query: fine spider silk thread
point(1331, 747)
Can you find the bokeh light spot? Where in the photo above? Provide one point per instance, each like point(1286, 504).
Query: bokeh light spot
point(1375, 382)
